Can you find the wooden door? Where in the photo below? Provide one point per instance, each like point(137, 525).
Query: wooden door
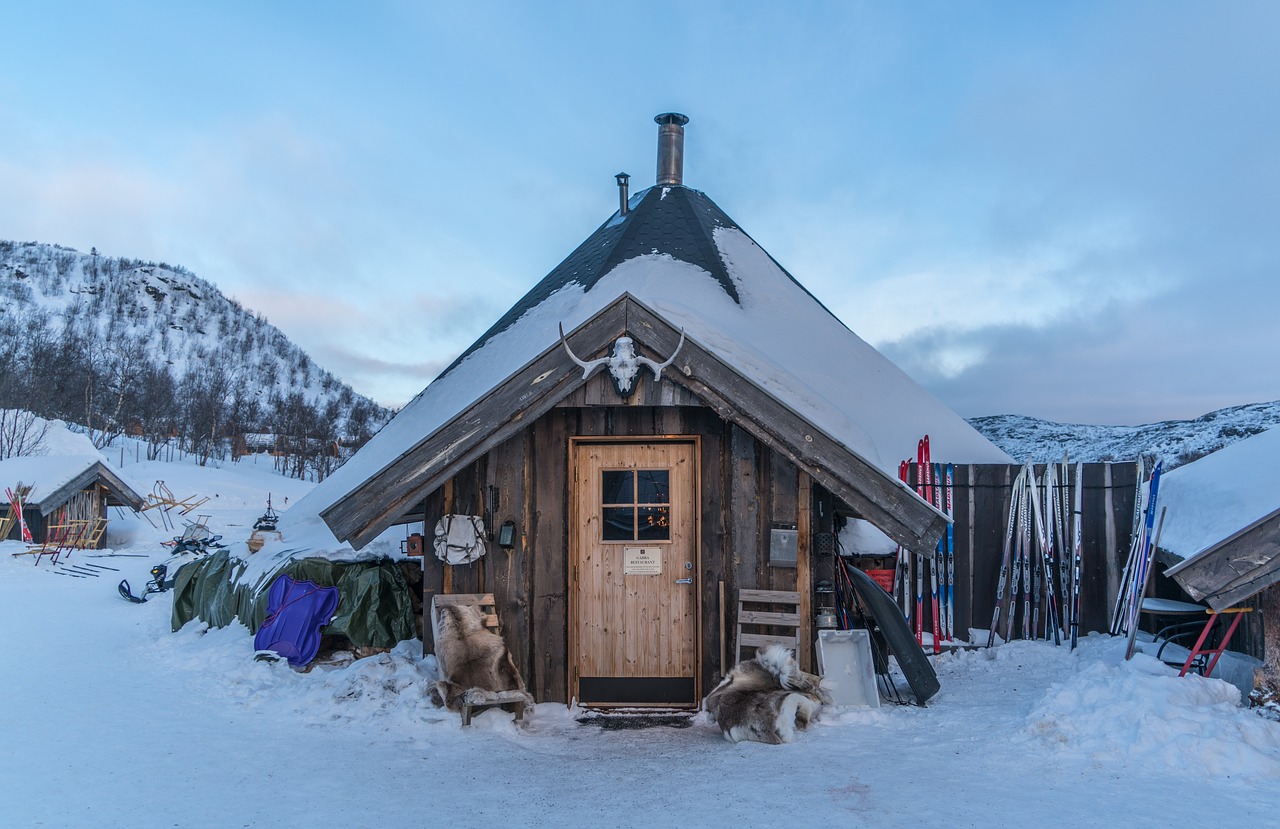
point(634, 530)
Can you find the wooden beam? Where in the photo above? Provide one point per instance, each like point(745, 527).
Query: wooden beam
point(804, 581)
point(1236, 568)
point(533, 390)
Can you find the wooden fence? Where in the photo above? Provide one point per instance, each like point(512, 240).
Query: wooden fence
point(981, 498)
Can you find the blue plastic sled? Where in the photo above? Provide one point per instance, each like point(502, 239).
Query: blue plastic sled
point(296, 610)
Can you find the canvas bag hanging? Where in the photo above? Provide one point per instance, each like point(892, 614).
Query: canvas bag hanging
point(460, 539)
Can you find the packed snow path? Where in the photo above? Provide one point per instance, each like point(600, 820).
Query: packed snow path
point(111, 720)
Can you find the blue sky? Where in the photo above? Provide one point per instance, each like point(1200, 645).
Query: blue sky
point(1065, 210)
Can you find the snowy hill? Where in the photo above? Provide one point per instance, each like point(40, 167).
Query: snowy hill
point(116, 344)
point(1174, 441)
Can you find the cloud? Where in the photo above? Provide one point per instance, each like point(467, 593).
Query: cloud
point(389, 351)
point(1167, 357)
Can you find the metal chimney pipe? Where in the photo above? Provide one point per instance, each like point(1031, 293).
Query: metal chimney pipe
point(623, 179)
point(671, 147)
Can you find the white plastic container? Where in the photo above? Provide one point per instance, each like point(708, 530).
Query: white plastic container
point(845, 662)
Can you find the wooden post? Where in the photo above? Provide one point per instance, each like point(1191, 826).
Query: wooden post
point(803, 517)
point(446, 586)
point(723, 655)
point(1108, 546)
point(970, 581)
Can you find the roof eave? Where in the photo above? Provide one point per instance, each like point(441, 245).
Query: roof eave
point(1236, 568)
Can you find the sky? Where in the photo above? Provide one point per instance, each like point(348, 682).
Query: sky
point(1060, 210)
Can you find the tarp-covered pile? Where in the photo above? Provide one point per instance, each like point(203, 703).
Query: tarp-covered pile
point(376, 609)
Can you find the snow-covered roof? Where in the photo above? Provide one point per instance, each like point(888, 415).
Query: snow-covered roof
point(1213, 498)
point(1222, 519)
point(677, 253)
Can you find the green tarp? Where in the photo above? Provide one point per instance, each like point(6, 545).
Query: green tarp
point(376, 609)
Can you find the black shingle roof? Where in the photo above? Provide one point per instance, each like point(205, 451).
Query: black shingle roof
point(672, 220)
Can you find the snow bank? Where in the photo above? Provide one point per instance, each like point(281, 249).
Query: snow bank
point(1144, 712)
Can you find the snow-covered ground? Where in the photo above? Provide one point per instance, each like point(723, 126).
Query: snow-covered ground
point(109, 719)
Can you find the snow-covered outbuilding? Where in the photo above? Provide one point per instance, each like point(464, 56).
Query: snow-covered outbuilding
point(56, 489)
point(697, 427)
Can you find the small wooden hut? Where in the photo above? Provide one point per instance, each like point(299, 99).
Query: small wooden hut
point(1221, 537)
point(694, 431)
point(62, 490)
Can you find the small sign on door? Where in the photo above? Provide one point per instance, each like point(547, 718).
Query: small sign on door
point(641, 561)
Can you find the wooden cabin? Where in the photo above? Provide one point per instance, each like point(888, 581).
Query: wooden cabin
point(694, 431)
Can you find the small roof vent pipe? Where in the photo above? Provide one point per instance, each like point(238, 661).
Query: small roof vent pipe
point(623, 180)
point(671, 147)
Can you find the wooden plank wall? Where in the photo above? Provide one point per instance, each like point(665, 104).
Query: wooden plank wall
point(981, 501)
point(745, 489)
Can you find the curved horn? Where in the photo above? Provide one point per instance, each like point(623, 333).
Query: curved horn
point(587, 366)
point(658, 367)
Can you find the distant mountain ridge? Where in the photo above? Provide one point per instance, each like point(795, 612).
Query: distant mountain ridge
point(1173, 441)
point(126, 346)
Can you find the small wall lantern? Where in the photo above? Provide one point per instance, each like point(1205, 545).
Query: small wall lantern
point(507, 535)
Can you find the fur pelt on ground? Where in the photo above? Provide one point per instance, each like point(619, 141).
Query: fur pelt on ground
point(474, 663)
point(766, 699)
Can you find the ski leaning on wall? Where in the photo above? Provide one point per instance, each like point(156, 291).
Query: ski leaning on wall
point(16, 510)
point(933, 483)
point(1040, 558)
point(1117, 622)
point(902, 573)
point(1141, 555)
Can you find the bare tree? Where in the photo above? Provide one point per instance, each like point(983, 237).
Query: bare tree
point(21, 434)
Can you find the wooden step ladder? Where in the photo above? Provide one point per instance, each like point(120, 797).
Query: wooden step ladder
point(768, 617)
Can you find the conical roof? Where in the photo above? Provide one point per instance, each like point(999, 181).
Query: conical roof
point(674, 221)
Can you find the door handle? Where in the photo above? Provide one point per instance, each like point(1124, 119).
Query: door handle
point(685, 581)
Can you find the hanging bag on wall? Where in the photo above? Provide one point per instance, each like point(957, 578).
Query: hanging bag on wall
point(460, 539)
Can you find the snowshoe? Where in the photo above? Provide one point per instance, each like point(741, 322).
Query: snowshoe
point(158, 584)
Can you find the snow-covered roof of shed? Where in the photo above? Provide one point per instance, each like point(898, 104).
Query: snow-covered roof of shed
point(1211, 499)
point(679, 254)
point(47, 475)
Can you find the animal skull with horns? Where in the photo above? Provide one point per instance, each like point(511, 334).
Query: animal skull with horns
point(623, 362)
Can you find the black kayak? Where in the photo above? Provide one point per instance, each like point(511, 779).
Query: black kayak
point(902, 642)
